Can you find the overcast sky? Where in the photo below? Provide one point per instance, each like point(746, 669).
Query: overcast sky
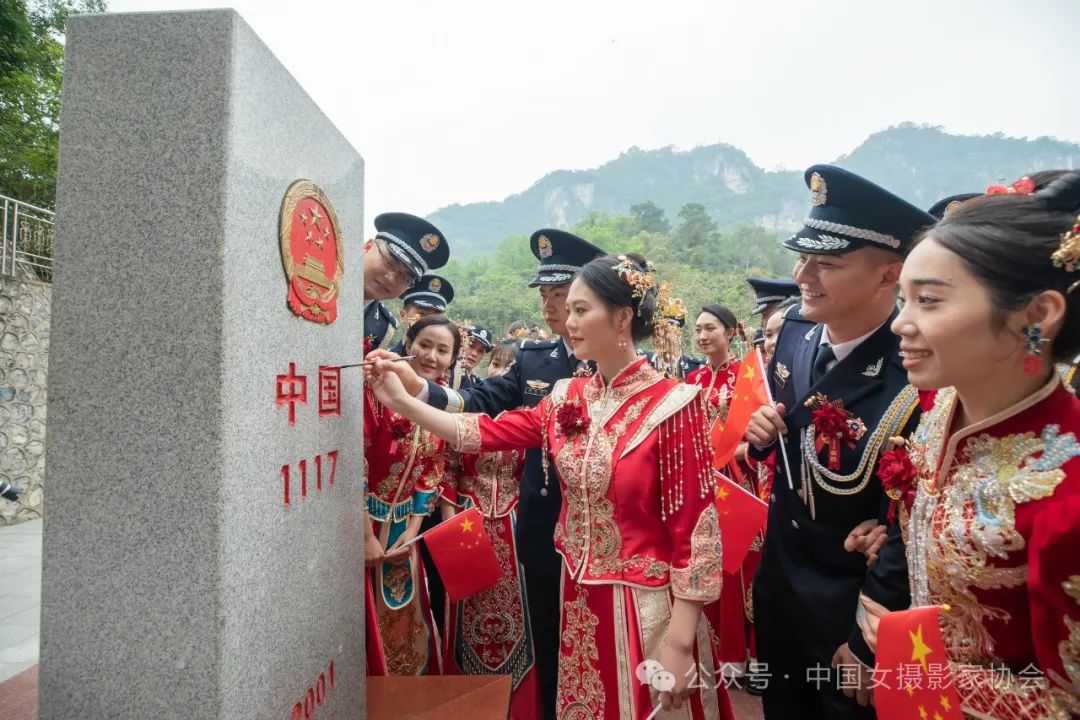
point(458, 101)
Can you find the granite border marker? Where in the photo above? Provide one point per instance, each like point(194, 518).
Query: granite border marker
point(176, 581)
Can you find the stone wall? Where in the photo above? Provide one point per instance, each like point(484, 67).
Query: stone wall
point(25, 307)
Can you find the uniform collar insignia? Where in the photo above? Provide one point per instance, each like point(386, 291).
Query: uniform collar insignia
point(809, 334)
point(874, 369)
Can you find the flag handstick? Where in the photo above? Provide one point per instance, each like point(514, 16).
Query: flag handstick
point(768, 391)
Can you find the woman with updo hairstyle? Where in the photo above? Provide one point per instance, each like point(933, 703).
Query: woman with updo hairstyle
point(988, 487)
point(714, 330)
point(638, 531)
point(404, 466)
point(731, 617)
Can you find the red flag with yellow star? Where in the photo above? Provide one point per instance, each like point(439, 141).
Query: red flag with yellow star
point(463, 553)
point(912, 676)
point(749, 394)
point(742, 516)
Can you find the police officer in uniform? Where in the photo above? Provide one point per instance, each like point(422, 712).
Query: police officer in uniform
point(478, 342)
point(539, 365)
point(428, 296)
point(946, 205)
point(835, 354)
point(769, 294)
point(403, 249)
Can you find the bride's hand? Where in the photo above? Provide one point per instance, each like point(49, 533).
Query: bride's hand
point(413, 383)
point(387, 385)
point(868, 623)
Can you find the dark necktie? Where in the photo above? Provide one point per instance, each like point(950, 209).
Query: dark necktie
point(825, 355)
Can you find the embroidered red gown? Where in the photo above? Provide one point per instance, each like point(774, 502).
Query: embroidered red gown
point(994, 532)
point(638, 525)
point(732, 616)
point(404, 467)
point(488, 633)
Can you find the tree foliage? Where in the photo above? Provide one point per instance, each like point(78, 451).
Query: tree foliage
point(31, 63)
point(703, 264)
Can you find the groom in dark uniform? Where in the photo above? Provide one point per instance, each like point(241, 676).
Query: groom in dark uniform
point(841, 393)
point(404, 248)
point(430, 295)
point(539, 365)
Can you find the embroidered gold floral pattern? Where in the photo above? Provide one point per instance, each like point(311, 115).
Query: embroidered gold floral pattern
point(468, 433)
point(702, 576)
point(493, 620)
point(629, 418)
point(404, 638)
point(625, 385)
point(389, 484)
point(974, 521)
point(1067, 691)
point(584, 463)
point(496, 482)
point(962, 536)
point(589, 531)
point(675, 400)
point(398, 581)
point(581, 692)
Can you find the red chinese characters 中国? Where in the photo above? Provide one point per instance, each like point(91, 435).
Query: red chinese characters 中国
point(291, 389)
point(329, 390)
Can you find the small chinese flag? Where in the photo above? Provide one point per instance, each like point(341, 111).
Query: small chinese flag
point(749, 394)
point(742, 516)
point(911, 657)
point(463, 554)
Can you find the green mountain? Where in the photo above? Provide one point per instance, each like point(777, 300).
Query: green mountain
point(920, 163)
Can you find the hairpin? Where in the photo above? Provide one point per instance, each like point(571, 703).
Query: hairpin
point(640, 282)
point(1023, 186)
point(668, 308)
point(1067, 256)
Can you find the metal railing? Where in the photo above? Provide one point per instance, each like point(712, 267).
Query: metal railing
point(27, 239)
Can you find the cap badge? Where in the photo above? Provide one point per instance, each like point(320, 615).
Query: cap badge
point(429, 242)
point(544, 247)
point(818, 190)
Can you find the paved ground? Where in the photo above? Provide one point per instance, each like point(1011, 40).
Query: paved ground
point(20, 620)
point(20, 597)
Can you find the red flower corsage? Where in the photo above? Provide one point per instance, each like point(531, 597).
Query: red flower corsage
point(400, 427)
point(833, 427)
point(1023, 186)
point(897, 474)
point(571, 419)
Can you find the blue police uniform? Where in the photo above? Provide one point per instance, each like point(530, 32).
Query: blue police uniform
point(683, 366)
point(806, 589)
point(538, 366)
point(433, 292)
point(421, 247)
point(771, 292)
point(481, 337)
point(379, 326)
